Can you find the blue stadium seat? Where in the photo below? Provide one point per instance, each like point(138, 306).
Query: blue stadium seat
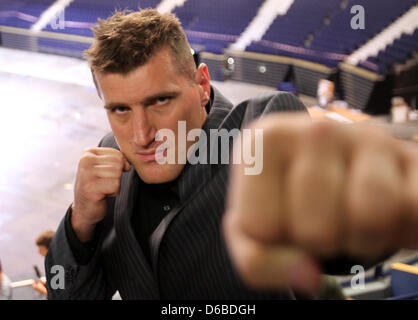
point(215, 18)
point(398, 52)
point(22, 13)
point(337, 36)
point(85, 13)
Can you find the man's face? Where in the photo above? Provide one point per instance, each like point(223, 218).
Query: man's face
point(153, 96)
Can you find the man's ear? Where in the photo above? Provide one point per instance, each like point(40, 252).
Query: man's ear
point(202, 79)
point(95, 83)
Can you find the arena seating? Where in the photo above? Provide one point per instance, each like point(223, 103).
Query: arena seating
point(82, 14)
point(22, 13)
point(329, 27)
point(379, 14)
point(309, 31)
point(398, 52)
point(294, 28)
point(214, 24)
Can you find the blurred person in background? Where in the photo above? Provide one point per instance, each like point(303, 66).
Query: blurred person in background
point(5, 286)
point(42, 242)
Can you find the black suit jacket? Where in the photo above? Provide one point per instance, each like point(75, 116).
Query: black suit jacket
point(189, 257)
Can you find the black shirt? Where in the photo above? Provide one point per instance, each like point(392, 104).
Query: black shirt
point(154, 202)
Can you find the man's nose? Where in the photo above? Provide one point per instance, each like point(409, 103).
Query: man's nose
point(144, 132)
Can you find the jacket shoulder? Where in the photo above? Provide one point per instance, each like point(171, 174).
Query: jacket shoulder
point(277, 101)
point(109, 141)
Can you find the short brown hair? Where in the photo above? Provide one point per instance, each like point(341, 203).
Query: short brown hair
point(127, 40)
point(44, 239)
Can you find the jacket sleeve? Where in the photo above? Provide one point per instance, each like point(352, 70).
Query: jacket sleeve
point(68, 277)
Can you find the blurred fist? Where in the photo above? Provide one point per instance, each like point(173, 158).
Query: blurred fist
point(326, 189)
point(98, 176)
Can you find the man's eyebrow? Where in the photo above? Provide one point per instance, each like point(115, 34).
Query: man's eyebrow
point(111, 105)
point(146, 101)
point(150, 99)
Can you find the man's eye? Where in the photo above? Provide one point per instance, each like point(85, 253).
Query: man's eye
point(161, 100)
point(119, 110)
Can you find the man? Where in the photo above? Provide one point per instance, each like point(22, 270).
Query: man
point(153, 230)
point(5, 286)
point(42, 242)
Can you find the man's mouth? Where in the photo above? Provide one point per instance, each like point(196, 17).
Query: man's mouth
point(150, 156)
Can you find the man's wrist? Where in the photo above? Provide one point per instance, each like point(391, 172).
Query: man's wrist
point(82, 251)
point(82, 229)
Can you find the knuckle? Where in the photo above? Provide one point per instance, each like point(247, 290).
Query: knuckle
point(320, 128)
point(88, 150)
point(270, 134)
point(372, 219)
point(321, 240)
point(82, 175)
point(120, 160)
point(115, 184)
point(112, 169)
point(115, 160)
point(86, 159)
point(118, 170)
point(374, 137)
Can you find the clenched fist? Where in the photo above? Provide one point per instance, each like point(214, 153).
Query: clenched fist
point(98, 176)
point(326, 189)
